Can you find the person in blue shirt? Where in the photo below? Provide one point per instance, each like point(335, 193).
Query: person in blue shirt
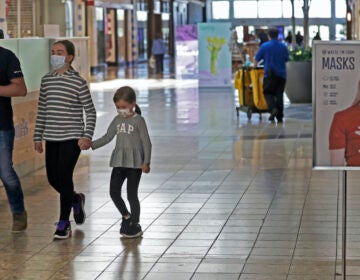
point(275, 55)
point(158, 51)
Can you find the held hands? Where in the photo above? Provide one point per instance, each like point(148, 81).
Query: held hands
point(84, 143)
point(145, 168)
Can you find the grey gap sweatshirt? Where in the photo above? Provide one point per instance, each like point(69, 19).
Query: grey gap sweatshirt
point(133, 145)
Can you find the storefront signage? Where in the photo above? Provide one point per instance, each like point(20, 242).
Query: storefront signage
point(336, 93)
point(186, 52)
point(214, 55)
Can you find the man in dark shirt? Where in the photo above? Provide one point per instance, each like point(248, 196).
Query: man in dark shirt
point(12, 84)
point(275, 55)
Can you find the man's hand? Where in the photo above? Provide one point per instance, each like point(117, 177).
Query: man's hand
point(39, 147)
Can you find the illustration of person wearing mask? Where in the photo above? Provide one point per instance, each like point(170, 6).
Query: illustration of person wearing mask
point(344, 135)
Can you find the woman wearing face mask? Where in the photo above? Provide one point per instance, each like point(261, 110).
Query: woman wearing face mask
point(64, 97)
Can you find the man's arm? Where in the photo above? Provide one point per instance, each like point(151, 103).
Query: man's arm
point(16, 87)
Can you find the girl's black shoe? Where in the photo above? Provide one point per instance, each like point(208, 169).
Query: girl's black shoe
point(124, 225)
point(133, 231)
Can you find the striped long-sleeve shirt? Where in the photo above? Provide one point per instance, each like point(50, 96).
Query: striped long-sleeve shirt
point(62, 102)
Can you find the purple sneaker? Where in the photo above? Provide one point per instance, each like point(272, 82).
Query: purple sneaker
point(63, 230)
point(78, 209)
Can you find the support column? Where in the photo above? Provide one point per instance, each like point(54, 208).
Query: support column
point(150, 26)
point(349, 20)
point(332, 28)
point(92, 34)
point(131, 36)
point(79, 18)
point(171, 29)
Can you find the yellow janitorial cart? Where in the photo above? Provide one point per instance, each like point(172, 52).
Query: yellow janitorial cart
point(249, 83)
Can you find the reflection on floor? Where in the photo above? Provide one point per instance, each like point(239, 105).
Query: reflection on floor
point(138, 70)
point(227, 198)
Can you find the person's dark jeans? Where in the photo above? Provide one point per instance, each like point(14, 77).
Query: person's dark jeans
point(159, 58)
point(61, 158)
point(8, 175)
point(275, 98)
point(118, 176)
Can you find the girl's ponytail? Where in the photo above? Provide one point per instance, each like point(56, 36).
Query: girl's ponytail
point(137, 109)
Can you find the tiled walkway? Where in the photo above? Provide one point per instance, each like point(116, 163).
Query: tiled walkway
point(225, 199)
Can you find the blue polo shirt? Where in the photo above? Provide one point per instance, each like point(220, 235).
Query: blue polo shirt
point(275, 55)
point(9, 69)
point(158, 47)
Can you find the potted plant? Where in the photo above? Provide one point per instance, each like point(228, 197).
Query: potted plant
point(299, 76)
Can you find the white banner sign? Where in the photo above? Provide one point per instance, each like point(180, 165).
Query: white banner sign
point(336, 92)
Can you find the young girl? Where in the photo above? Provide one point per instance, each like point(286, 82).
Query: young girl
point(129, 159)
point(64, 97)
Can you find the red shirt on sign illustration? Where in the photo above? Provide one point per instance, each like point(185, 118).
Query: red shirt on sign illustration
point(344, 136)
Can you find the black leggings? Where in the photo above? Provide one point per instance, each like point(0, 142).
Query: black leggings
point(61, 158)
point(118, 176)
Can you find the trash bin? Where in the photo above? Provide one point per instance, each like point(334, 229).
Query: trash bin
point(248, 81)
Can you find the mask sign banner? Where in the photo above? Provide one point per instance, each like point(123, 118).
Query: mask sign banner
point(336, 113)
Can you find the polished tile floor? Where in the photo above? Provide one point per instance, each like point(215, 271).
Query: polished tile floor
point(226, 198)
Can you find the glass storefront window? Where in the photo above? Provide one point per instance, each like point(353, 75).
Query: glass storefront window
point(340, 8)
point(324, 32)
point(340, 32)
point(99, 14)
point(320, 9)
point(270, 8)
point(141, 32)
point(220, 9)
point(100, 27)
point(287, 9)
point(165, 16)
point(240, 33)
point(245, 9)
point(141, 15)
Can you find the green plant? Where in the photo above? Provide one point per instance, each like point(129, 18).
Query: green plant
point(300, 54)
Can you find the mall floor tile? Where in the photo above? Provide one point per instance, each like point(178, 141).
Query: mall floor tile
point(227, 198)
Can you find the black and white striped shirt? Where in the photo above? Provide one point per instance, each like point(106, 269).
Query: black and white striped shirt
point(62, 103)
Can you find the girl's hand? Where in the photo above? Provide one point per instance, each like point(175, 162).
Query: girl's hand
point(84, 143)
point(39, 147)
point(145, 168)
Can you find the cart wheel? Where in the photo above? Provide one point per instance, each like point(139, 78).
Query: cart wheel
point(260, 117)
point(249, 113)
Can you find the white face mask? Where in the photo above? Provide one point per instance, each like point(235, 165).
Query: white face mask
point(57, 61)
point(124, 112)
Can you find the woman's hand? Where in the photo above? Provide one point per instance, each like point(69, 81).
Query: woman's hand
point(84, 143)
point(39, 147)
point(145, 168)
